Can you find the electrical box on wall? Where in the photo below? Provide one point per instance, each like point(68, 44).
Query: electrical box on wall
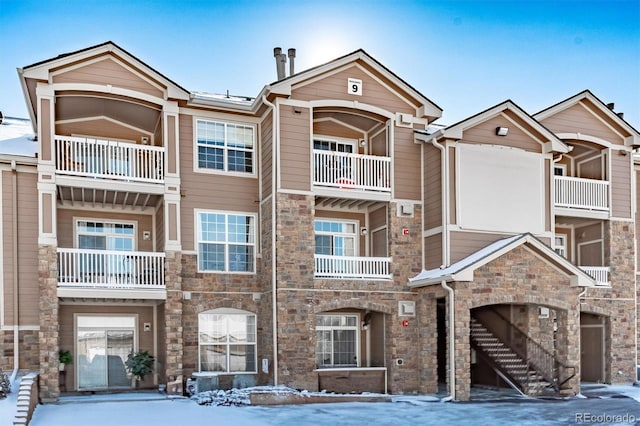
point(405, 209)
point(406, 308)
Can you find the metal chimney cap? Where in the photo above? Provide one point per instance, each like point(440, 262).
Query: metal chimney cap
point(277, 51)
point(291, 53)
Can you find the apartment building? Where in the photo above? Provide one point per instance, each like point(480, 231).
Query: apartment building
point(322, 235)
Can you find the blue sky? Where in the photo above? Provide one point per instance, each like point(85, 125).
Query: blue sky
point(463, 55)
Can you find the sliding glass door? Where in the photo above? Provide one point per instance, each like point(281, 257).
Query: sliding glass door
point(103, 344)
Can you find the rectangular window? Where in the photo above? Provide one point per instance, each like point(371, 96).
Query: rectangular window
point(337, 341)
point(561, 245)
point(226, 242)
point(225, 147)
point(227, 342)
point(104, 236)
point(336, 238)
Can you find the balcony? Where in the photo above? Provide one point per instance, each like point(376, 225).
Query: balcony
point(599, 273)
point(575, 195)
point(352, 267)
point(105, 273)
point(106, 159)
point(341, 172)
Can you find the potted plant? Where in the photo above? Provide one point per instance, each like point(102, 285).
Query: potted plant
point(140, 365)
point(64, 357)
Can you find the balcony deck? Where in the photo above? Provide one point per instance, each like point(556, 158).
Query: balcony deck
point(352, 175)
point(109, 273)
point(581, 197)
point(352, 267)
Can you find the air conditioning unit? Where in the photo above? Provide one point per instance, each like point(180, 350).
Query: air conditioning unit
point(202, 383)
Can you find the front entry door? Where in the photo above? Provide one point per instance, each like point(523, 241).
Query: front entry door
point(103, 344)
point(592, 353)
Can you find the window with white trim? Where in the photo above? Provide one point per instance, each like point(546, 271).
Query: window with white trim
point(337, 340)
point(100, 235)
point(560, 245)
point(336, 238)
point(227, 341)
point(226, 242)
point(225, 147)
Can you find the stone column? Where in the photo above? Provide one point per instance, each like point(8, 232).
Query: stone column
point(428, 326)
point(173, 322)
point(568, 337)
point(49, 325)
point(462, 348)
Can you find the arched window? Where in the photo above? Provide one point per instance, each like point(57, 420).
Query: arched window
point(227, 341)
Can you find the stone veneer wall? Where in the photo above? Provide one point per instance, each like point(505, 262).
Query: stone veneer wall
point(49, 326)
point(300, 297)
point(517, 277)
point(28, 347)
point(617, 303)
point(173, 320)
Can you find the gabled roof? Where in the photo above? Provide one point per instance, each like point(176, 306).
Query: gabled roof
point(455, 131)
point(464, 269)
point(40, 70)
point(283, 86)
point(634, 136)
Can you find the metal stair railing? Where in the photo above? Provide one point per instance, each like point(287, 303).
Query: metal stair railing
point(536, 357)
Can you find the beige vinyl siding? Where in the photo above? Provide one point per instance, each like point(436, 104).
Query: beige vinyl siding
point(47, 128)
point(433, 251)
point(331, 128)
point(266, 151)
point(453, 206)
point(621, 186)
point(379, 145)
point(591, 169)
point(378, 218)
point(67, 327)
point(99, 128)
point(335, 87)
point(577, 119)
point(209, 191)
point(547, 195)
point(485, 133)
point(67, 232)
point(589, 245)
point(432, 187)
point(27, 250)
point(464, 243)
point(172, 163)
point(108, 71)
point(295, 148)
point(159, 231)
point(406, 160)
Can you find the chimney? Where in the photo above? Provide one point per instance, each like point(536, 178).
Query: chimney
point(281, 58)
point(611, 105)
point(621, 115)
point(292, 55)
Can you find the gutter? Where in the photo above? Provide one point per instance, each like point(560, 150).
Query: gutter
point(274, 135)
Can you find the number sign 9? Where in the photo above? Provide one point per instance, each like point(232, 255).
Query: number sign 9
point(354, 86)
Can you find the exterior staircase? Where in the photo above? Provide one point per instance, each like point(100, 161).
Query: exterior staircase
point(532, 371)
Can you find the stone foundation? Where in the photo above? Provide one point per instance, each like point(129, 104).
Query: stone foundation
point(49, 323)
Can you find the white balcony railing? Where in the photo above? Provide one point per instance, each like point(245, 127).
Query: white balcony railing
point(599, 273)
point(580, 193)
point(352, 171)
point(352, 267)
point(106, 159)
point(80, 268)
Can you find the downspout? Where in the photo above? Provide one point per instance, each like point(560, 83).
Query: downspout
point(274, 313)
point(16, 294)
point(445, 263)
point(452, 341)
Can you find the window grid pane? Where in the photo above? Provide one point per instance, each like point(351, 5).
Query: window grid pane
point(224, 146)
point(227, 342)
point(234, 238)
point(336, 340)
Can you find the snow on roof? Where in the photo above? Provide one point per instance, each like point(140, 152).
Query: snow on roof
point(16, 137)
point(233, 99)
point(443, 273)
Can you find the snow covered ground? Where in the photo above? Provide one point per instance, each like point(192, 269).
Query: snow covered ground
point(614, 404)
